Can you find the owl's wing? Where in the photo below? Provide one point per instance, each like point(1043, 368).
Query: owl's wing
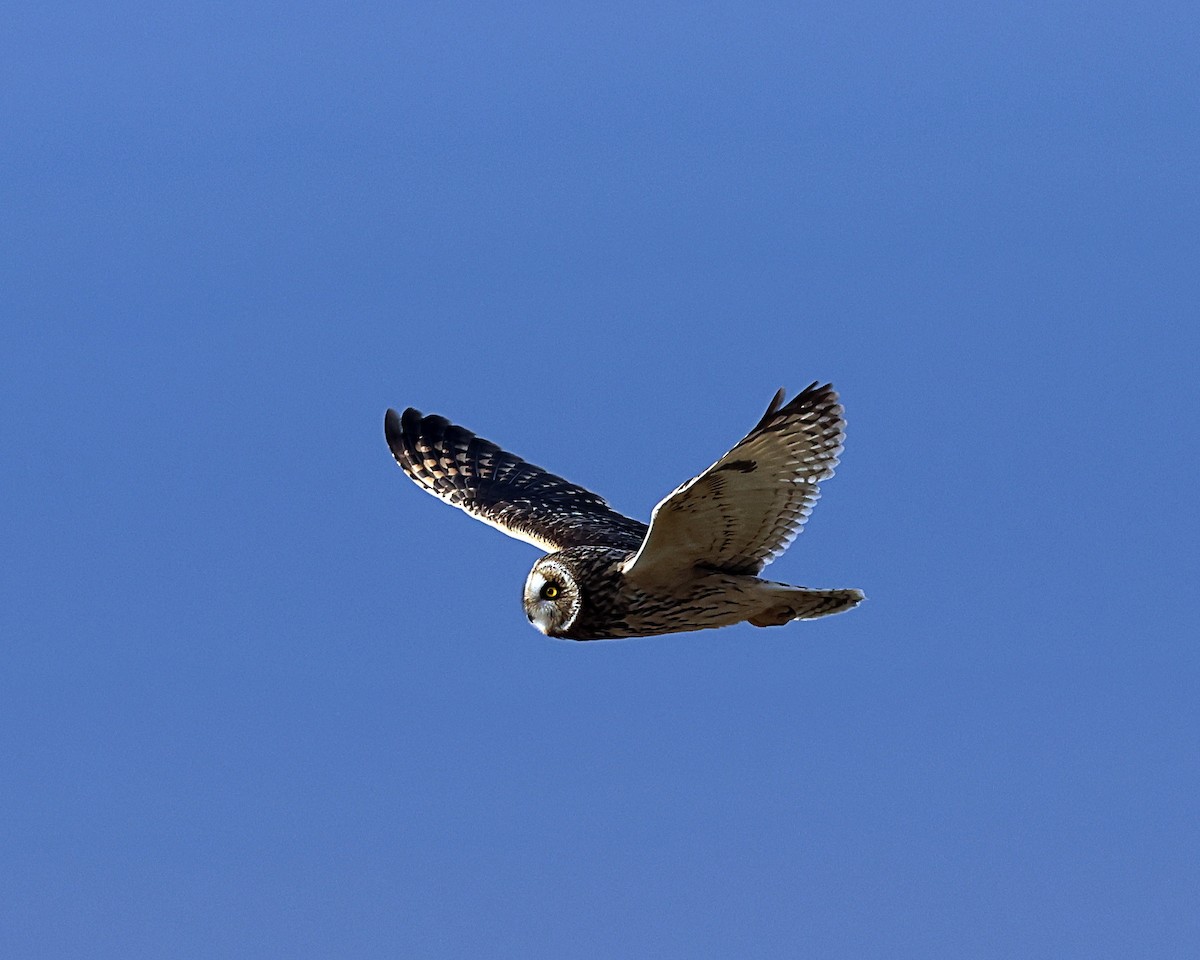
point(744, 510)
point(503, 490)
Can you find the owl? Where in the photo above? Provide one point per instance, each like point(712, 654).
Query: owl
point(695, 566)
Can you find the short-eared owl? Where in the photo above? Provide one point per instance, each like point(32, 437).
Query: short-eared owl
point(695, 566)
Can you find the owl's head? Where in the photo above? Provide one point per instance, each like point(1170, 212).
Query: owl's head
point(553, 599)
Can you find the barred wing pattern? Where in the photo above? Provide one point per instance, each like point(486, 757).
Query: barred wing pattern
point(503, 490)
point(744, 510)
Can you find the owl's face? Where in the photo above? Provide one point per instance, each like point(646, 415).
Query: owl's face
point(552, 597)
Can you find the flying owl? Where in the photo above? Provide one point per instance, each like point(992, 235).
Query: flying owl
point(696, 565)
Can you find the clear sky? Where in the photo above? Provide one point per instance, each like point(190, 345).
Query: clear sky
point(262, 697)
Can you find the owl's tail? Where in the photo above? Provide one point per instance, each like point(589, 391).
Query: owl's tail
point(786, 604)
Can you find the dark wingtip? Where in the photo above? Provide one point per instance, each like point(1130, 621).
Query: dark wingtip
point(773, 407)
point(393, 429)
point(815, 392)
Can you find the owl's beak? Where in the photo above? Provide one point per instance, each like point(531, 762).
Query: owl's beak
point(540, 620)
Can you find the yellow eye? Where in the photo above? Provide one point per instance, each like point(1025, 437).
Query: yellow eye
point(549, 591)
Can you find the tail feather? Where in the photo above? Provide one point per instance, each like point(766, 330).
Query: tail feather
point(798, 603)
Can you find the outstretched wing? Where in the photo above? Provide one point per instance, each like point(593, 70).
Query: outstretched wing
point(503, 490)
point(744, 510)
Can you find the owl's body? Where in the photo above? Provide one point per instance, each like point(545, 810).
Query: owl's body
point(616, 607)
point(694, 567)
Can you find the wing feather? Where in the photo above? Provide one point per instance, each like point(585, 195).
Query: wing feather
point(744, 510)
point(503, 490)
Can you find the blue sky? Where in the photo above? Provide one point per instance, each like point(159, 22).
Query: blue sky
point(262, 697)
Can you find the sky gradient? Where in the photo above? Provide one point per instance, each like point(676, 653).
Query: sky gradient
point(263, 697)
